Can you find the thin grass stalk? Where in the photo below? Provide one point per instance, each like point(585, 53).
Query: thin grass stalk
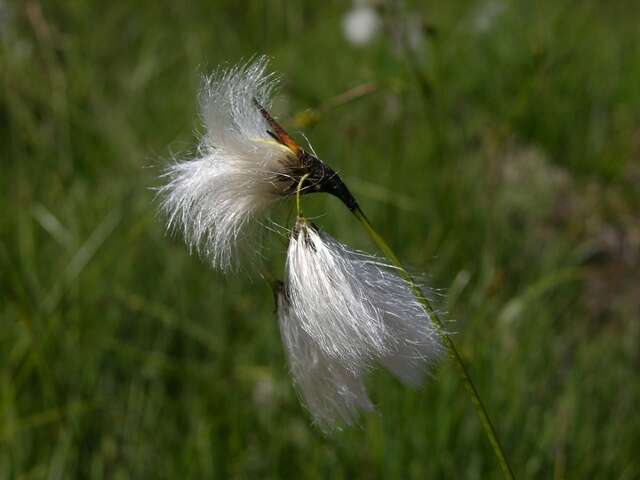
point(481, 410)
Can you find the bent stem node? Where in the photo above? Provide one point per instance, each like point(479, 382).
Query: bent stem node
point(489, 429)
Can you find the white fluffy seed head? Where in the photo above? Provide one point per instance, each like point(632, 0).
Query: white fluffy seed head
point(415, 344)
point(356, 308)
point(238, 169)
point(332, 393)
point(326, 291)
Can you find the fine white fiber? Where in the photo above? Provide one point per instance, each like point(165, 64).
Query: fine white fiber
point(326, 291)
point(333, 394)
point(238, 170)
point(356, 308)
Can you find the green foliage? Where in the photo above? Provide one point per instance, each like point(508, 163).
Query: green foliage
point(500, 157)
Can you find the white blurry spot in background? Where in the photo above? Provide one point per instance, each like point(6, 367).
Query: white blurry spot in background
point(530, 183)
point(361, 24)
point(265, 391)
point(486, 14)
point(414, 31)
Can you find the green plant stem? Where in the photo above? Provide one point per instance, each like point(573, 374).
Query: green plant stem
point(298, 191)
point(489, 429)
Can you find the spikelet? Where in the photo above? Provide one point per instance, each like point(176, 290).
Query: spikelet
point(356, 308)
point(333, 394)
point(326, 291)
point(238, 170)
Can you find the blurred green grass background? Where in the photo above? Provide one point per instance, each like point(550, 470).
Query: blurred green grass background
point(499, 153)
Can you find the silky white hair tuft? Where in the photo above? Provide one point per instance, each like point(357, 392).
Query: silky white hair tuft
point(333, 394)
point(212, 198)
point(357, 308)
point(326, 290)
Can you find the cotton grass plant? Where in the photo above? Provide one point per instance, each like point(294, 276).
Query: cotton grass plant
point(340, 311)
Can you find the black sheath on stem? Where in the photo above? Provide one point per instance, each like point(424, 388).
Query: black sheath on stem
point(323, 179)
point(319, 177)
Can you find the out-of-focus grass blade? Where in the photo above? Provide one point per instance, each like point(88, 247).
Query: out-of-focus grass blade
point(52, 225)
point(383, 194)
point(81, 258)
point(514, 307)
point(161, 312)
point(41, 419)
point(458, 285)
point(307, 118)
